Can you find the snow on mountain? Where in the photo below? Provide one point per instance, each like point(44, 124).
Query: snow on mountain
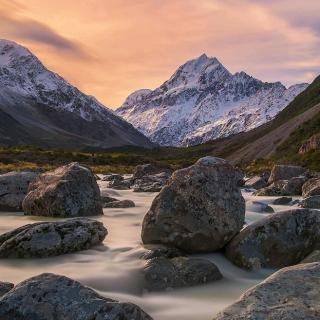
point(204, 101)
point(29, 91)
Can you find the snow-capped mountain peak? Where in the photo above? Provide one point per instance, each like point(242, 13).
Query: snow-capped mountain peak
point(202, 100)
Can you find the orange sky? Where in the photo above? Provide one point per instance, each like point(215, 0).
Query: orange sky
point(109, 48)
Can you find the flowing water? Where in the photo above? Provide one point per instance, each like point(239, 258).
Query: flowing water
point(114, 268)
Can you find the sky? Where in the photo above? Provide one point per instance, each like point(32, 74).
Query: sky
point(110, 48)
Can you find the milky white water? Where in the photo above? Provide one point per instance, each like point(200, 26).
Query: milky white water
point(114, 269)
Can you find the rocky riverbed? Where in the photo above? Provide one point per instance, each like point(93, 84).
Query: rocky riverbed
point(114, 268)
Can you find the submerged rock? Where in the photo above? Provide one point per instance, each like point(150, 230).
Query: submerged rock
point(68, 191)
point(46, 239)
point(162, 273)
point(263, 207)
point(162, 252)
point(50, 296)
point(119, 204)
point(312, 202)
point(279, 240)
point(285, 172)
point(289, 294)
point(13, 188)
point(199, 210)
point(282, 201)
point(5, 287)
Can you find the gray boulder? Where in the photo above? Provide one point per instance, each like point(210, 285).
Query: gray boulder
point(119, 204)
point(46, 239)
point(148, 169)
point(285, 172)
point(289, 294)
point(311, 188)
point(151, 183)
point(49, 296)
point(282, 201)
point(312, 202)
point(5, 287)
point(199, 210)
point(124, 184)
point(162, 252)
point(13, 188)
point(256, 182)
point(68, 191)
point(262, 207)
point(112, 177)
point(276, 241)
point(162, 273)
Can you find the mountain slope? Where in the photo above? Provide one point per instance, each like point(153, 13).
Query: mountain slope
point(204, 101)
point(50, 112)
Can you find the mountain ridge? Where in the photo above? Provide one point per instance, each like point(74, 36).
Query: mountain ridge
point(52, 111)
point(202, 101)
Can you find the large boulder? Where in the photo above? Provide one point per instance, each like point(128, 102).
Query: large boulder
point(5, 287)
point(49, 296)
point(68, 191)
point(276, 241)
point(311, 188)
point(46, 239)
point(289, 294)
point(313, 143)
point(162, 273)
point(312, 202)
point(13, 188)
point(285, 172)
point(199, 210)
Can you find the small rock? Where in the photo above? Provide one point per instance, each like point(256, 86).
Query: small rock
point(282, 201)
point(151, 183)
point(163, 252)
point(68, 191)
point(162, 273)
point(50, 296)
point(46, 239)
point(291, 187)
point(107, 199)
point(148, 169)
point(13, 188)
point(276, 241)
point(5, 287)
point(119, 204)
point(124, 184)
point(256, 182)
point(312, 202)
point(290, 294)
point(113, 177)
point(285, 172)
point(263, 207)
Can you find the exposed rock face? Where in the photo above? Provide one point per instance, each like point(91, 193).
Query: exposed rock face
point(311, 187)
point(5, 287)
point(13, 189)
point(46, 239)
point(162, 273)
point(119, 204)
point(199, 210)
point(282, 201)
point(68, 191)
point(312, 202)
point(256, 182)
point(285, 172)
point(279, 240)
point(313, 143)
point(289, 294)
point(50, 296)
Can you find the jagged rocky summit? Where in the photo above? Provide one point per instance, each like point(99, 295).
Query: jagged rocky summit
point(203, 101)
